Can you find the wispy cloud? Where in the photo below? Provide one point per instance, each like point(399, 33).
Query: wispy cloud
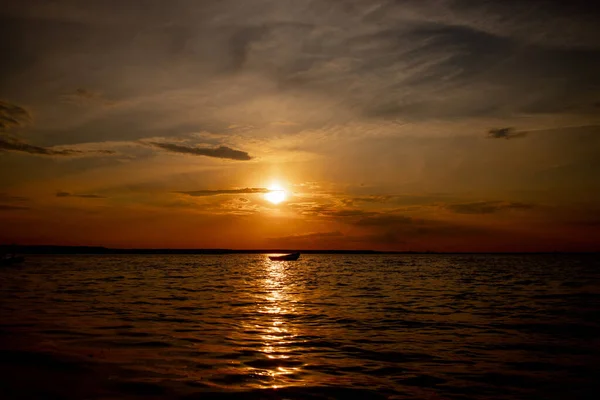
point(369, 199)
point(398, 95)
point(487, 207)
point(84, 196)
point(310, 236)
point(10, 207)
point(309, 239)
point(12, 116)
point(17, 145)
point(10, 198)
point(15, 202)
point(202, 193)
point(12, 144)
point(83, 96)
point(505, 133)
point(396, 228)
point(327, 210)
point(219, 152)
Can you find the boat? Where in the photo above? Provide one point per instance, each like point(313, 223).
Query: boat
point(286, 257)
point(11, 259)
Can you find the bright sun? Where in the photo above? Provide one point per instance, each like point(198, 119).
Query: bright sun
point(276, 194)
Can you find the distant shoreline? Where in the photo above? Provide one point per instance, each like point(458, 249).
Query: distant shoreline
point(99, 250)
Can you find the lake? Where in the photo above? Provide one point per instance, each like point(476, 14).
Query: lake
point(326, 326)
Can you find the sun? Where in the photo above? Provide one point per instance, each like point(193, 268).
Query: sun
point(276, 194)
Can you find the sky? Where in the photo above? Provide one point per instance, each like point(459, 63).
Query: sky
point(442, 125)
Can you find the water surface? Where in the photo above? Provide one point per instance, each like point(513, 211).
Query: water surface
point(326, 326)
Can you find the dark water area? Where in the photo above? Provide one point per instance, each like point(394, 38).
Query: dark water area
point(326, 326)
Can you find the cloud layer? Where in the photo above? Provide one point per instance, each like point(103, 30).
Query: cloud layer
point(12, 116)
point(84, 196)
point(487, 207)
point(393, 110)
point(219, 152)
point(11, 207)
point(203, 193)
point(505, 133)
point(16, 145)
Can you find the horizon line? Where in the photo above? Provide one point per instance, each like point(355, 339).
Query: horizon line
point(90, 249)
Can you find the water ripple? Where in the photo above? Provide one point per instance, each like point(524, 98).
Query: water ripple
point(404, 326)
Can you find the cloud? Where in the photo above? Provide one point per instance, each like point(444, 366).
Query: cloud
point(397, 199)
point(202, 193)
point(17, 145)
point(15, 200)
point(83, 96)
point(487, 207)
point(411, 61)
point(328, 210)
point(339, 239)
point(12, 116)
point(588, 223)
point(12, 144)
point(369, 199)
point(547, 23)
point(219, 152)
point(385, 220)
point(9, 198)
point(9, 207)
point(505, 133)
point(395, 94)
point(309, 236)
point(313, 237)
point(399, 228)
point(84, 196)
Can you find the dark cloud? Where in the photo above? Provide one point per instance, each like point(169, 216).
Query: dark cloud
point(308, 237)
point(487, 207)
point(348, 213)
point(336, 237)
point(383, 220)
point(327, 78)
point(9, 198)
point(404, 199)
point(10, 207)
point(552, 23)
point(505, 133)
point(84, 96)
point(311, 208)
point(370, 199)
point(17, 145)
point(414, 60)
point(328, 210)
point(593, 223)
point(401, 227)
point(219, 152)
point(12, 144)
point(202, 193)
point(12, 116)
point(84, 196)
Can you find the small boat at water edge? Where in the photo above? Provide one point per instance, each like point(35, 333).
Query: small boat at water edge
point(10, 260)
point(287, 257)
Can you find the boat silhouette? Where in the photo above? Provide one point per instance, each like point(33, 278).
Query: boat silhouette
point(286, 257)
point(11, 259)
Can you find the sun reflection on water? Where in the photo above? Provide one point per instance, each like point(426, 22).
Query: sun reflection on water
point(277, 305)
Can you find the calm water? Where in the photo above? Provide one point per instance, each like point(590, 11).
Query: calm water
point(327, 326)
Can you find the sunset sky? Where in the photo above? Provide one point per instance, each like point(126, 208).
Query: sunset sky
point(440, 125)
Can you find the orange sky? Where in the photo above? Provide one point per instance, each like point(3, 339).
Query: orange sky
point(388, 125)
